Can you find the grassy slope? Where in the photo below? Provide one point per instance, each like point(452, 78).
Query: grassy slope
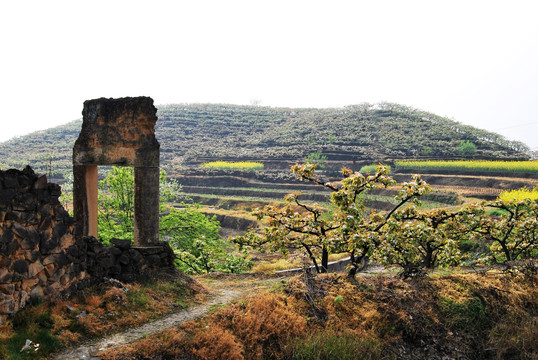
point(195, 133)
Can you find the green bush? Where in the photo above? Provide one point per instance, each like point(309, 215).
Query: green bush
point(467, 149)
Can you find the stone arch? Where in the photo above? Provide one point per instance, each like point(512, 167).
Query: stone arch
point(118, 132)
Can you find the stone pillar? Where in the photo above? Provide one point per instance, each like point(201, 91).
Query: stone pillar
point(146, 214)
point(85, 198)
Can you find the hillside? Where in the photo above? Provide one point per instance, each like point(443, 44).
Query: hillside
point(191, 134)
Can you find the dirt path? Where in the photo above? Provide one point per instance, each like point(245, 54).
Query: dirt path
point(86, 351)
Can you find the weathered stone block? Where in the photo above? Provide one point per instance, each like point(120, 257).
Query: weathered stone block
point(10, 181)
point(60, 271)
point(106, 261)
point(68, 240)
point(35, 268)
point(50, 268)
point(24, 298)
point(64, 279)
point(5, 276)
point(41, 182)
point(124, 259)
point(6, 196)
point(20, 266)
point(60, 214)
point(30, 240)
point(43, 278)
point(55, 259)
point(53, 288)
point(7, 235)
point(7, 306)
point(37, 292)
point(114, 251)
point(49, 246)
point(135, 256)
point(32, 256)
point(28, 284)
point(59, 230)
point(46, 223)
point(122, 244)
point(115, 270)
point(54, 190)
point(7, 289)
point(9, 248)
point(12, 216)
point(29, 218)
point(5, 261)
point(153, 259)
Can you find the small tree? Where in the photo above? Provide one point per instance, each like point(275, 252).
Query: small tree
point(416, 239)
point(317, 159)
point(467, 148)
point(513, 235)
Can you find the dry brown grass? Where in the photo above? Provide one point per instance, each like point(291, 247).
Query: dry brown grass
point(262, 322)
point(458, 316)
point(217, 343)
point(67, 337)
point(6, 331)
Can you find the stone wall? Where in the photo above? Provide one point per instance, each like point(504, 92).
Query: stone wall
point(43, 252)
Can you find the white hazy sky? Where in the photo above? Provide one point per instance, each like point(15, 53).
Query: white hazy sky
point(473, 61)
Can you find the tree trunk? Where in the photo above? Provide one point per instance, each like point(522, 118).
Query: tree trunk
point(357, 264)
point(324, 260)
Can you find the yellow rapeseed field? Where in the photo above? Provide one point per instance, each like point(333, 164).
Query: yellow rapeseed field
point(470, 165)
point(249, 165)
point(520, 194)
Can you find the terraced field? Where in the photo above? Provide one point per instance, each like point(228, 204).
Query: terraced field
point(247, 190)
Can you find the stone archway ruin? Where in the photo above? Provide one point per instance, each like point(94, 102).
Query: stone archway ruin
point(118, 132)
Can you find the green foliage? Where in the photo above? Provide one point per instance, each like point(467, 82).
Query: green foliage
point(467, 315)
point(426, 151)
point(467, 148)
point(328, 346)
point(415, 239)
point(514, 234)
point(138, 297)
point(170, 190)
point(193, 236)
point(371, 169)
point(116, 205)
point(34, 323)
point(116, 202)
point(317, 159)
point(197, 245)
point(195, 239)
point(182, 227)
